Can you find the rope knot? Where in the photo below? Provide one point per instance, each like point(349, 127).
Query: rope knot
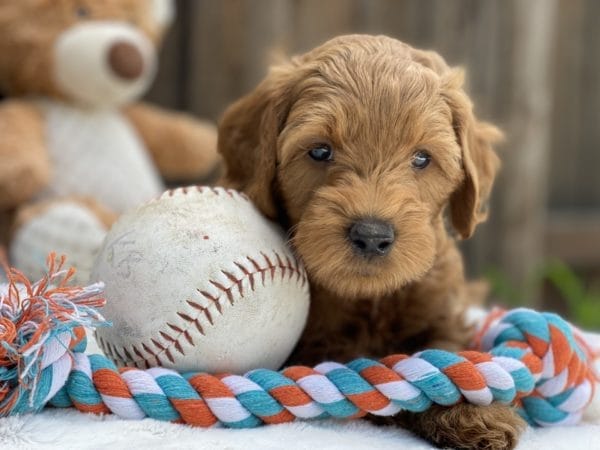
point(555, 353)
point(40, 323)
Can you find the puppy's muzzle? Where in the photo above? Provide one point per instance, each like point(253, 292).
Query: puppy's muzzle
point(371, 237)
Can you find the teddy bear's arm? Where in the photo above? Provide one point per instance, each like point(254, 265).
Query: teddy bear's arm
point(24, 162)
point(184, 148)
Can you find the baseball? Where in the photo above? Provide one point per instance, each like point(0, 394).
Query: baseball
point(199, 280)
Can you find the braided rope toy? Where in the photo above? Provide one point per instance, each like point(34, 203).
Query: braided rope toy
point(536, 361)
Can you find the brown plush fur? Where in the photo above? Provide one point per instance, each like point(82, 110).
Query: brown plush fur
point(25, 167)
point(174, 139)
point(375, 101)
point(30, 27)
point(183, 148)
point(30, 211)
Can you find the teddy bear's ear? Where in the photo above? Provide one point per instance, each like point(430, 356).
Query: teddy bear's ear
point(480, 163)
point(248, 134)
point(163, 12)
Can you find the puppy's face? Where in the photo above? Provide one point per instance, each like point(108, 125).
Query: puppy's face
point(360, 144)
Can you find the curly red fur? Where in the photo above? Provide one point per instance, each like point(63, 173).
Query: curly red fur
point(375, 102)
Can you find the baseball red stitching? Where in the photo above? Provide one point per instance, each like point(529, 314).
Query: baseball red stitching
point(201, 189)
point(287, 266)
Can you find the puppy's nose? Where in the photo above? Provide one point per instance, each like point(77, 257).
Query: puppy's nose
point(125, 60)
point(371, 237)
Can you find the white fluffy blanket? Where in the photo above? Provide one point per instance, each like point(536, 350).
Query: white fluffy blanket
point(69, 429)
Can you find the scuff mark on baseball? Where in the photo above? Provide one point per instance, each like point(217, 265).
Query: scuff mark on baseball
point(199, 280)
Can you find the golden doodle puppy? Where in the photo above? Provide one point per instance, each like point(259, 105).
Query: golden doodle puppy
point(368, 152)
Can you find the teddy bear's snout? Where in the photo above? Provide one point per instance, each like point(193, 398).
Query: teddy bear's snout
point(126, 60)
point(103, 63)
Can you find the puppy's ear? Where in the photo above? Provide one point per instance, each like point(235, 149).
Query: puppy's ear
point(480, 163)
point(248, 135)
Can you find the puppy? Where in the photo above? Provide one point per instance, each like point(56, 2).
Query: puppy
point(368, 152)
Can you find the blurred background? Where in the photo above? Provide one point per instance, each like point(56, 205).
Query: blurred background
point(533, 68)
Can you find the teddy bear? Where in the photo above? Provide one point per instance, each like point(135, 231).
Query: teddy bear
point(77, 148)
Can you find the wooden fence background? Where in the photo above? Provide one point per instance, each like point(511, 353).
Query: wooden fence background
point(533, 68)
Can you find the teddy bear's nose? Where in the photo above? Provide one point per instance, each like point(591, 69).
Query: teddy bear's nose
point(126, 60)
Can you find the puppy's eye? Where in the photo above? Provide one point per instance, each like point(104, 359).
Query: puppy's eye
point(321, 152)
point(421, 159)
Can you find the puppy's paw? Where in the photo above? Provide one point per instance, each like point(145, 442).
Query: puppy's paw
point(465, 426)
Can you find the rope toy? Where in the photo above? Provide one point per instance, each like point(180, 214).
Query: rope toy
point(536, 361)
